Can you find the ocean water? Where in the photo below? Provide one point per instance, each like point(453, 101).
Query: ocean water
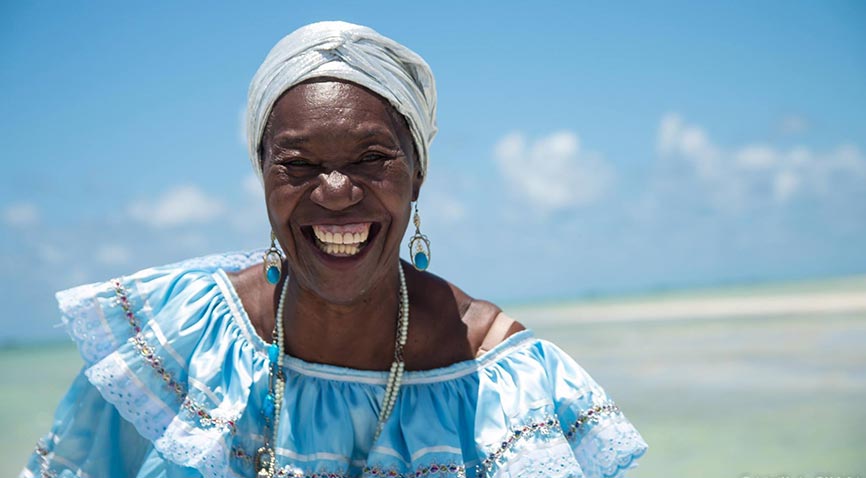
point(774, 397)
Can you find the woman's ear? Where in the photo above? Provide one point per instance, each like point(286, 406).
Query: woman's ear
point(417, 180)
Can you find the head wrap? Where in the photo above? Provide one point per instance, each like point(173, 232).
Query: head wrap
point(353, 53)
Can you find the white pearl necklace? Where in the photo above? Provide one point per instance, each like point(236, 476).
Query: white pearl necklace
point(265, 458)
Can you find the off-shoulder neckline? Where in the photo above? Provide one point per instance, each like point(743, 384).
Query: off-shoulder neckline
point(454, 371)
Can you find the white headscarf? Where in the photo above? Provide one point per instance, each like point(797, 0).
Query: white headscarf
point(353, 53)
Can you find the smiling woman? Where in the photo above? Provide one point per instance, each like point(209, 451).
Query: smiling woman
point(340, 360)
point(337, 161)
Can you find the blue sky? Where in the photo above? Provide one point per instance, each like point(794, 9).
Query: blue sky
point(690, 144)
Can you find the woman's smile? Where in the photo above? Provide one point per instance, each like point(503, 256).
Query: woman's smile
point(341, 240)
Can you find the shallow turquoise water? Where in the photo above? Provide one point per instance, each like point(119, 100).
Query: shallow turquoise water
point(713, 398)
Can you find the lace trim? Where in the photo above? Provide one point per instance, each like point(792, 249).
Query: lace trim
point(611, 448)
point(85, 322)
point(205, 418)
point(545, 459)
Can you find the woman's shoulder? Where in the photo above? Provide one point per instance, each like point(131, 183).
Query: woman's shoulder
point(446, 314)
point(161, 300)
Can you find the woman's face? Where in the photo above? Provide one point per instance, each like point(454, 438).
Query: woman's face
point(339, 167)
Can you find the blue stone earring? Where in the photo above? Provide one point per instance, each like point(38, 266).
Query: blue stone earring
point(419, 245)
point(273, 261)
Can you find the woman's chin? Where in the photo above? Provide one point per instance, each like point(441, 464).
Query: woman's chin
point(339, 279)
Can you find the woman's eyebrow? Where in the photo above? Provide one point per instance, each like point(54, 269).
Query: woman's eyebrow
point(378, 133)
point(288, 140)
point(292, 140)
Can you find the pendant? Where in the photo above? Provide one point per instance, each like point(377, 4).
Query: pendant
point(265, 461)
point(419, 250)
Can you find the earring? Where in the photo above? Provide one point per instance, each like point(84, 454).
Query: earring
point(419, 245)
point(273, 262)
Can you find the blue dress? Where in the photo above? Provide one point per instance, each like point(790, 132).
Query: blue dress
point(174, 379)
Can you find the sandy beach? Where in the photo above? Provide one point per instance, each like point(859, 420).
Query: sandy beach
point(780, 305)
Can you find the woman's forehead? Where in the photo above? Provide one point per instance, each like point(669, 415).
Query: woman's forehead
point(327, 102)
point(330, 94)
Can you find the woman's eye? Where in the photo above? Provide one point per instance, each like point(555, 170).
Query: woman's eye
point(296, 162)
point(372, 157)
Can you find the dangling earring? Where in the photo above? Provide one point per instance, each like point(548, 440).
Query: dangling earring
point(273, 261)
point(419, 245)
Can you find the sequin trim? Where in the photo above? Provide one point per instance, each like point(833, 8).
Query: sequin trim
point(435, 469)
point(541, 428)
point(44, 463)
point(590, 416)
point(149, 355)
point(240, 454)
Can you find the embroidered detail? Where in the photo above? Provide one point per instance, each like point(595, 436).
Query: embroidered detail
point(454, 468)
point(240, 454)
point(591, 415)
point(149, 355)
point(156, 363)
point(457, 470)
point(44, 462)
point(433, 469)
point(541, 428)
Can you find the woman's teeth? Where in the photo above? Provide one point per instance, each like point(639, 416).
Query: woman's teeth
point(343, 240)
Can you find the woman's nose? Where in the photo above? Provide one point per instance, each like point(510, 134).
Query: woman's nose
point(336, 192)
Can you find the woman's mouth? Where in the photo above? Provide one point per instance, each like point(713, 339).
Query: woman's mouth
point(343, 240)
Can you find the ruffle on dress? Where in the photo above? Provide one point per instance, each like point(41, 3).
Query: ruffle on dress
point(175, 376)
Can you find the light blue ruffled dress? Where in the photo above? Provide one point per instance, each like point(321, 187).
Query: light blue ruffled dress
point(174, 379)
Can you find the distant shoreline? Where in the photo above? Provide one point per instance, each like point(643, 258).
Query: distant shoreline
point(846, 283)
point(841, 296)
point(815, 304)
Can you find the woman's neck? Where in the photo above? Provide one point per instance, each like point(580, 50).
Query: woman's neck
point(359, 335)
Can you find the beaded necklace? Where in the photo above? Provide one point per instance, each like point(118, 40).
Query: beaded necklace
point(265, 456)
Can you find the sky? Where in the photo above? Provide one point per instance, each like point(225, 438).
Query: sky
point(584, 149)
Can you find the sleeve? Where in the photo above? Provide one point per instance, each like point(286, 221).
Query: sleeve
point(604, 441)
point(165, 369)
point(83, 438)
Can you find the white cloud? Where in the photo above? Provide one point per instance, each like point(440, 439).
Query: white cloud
point(676, 138)
point(756, 157)
point(242, 125)
point(451, 209)
point(793, 124)
point(442, 207)
point(250, 215)
point(49, 253)
point(192, 241)
point(23, 214)
point(785, 184)
point(252, 186)
point(181, 205)
point(552, 172)
point(113, 254)
point(751, 174)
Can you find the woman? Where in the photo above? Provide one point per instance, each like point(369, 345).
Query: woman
point(334, 358)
